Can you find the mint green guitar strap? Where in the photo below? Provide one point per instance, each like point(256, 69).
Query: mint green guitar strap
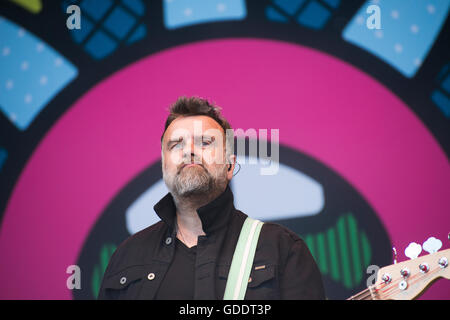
point(242, 262)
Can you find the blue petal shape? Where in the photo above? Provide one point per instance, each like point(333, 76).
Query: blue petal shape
point(408, 31)
point(182, 13)
point(32, 73)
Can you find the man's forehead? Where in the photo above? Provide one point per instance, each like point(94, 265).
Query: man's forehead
point(193, 125)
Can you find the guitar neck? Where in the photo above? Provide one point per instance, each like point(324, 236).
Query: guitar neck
point(408, 279)
point(367, 294)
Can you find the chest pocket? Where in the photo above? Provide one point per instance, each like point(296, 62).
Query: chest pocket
point(125, 284)
point(259, 275)
point(262, 284)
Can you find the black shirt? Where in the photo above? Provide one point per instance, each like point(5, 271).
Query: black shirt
point(178, 283)
point(283, 267)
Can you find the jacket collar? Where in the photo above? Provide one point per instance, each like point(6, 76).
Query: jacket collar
point(213, 215)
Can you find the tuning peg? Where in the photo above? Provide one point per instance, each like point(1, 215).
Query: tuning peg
point(394, 253)
point(413, 250)
point(432, 245)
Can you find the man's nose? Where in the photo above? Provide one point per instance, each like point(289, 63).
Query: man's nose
point(194, 158)
point(192, 155)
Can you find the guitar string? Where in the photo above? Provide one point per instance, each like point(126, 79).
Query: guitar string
point(367, 292)
point(377, 288)
point(419, 276)
point(416, 277)
point(362, 295)
point(394, 285)
point(396, 290)
point(358, 294)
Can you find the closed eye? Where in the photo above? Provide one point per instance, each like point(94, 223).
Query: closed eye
point(207, 141)
point(175, 143)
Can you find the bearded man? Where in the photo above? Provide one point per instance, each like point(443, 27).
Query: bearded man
point(188, 254)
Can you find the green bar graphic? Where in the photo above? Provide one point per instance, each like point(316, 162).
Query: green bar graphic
point(343, 246)
point(322, 257)
point(334, 263)
point(354, 244)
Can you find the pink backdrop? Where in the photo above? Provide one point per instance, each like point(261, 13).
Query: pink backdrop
point(322, 106)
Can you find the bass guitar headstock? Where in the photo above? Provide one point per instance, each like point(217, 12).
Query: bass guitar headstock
point(408, 279)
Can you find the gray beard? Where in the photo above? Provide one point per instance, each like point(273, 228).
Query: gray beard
point(193, 181)
point(196, 182)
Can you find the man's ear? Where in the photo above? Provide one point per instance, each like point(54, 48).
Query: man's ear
point(230, 166)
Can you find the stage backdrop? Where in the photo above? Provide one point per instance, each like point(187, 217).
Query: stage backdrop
point(360, 98)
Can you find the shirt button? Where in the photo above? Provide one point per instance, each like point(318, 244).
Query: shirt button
point(123, 280)
point(168, 240)
point(151, 276)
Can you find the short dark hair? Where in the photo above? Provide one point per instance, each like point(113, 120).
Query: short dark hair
point(195, 106)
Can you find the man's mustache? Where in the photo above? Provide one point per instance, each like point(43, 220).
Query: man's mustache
point(186, 163)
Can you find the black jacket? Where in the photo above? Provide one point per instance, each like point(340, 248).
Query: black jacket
point(285, 269)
